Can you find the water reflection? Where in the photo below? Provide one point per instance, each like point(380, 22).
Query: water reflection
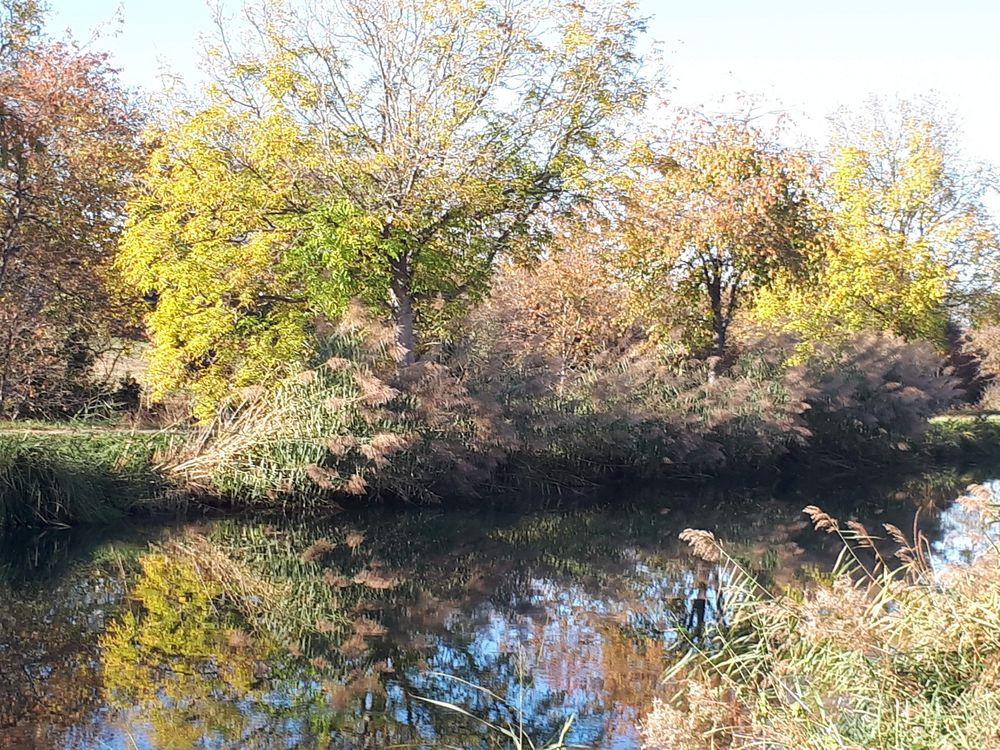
point(256, 633)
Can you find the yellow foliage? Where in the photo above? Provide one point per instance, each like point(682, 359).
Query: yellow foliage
point(180, 631)
point(207, 233)
point(908, 235)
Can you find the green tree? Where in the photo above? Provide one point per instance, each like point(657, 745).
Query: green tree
point(388, 151)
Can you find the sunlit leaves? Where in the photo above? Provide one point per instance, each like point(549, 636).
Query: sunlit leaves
point(389, 152)
point(718, 213)
point(910, 241)
point(68, 145)
point(208, 234)
point(174, 657)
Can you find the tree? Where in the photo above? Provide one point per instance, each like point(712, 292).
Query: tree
point(718, 213)
point(911, 242)
point(68, 144)
point(420, 142)
point(567, 305)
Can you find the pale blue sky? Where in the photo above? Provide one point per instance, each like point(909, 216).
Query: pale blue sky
point(804, 56)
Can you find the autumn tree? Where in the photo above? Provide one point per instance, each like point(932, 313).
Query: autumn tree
point(911, 241)
point(68, 143)
point(717, 212)
point(568, 304)
point(391, 151)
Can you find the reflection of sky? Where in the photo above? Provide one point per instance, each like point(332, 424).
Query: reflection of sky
point(543, 648)
point(561, 648)
point(964, 534)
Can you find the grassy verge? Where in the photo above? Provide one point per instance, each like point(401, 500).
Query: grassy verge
point(53, 473)
point(963, 437)
point(51, 476)
point(885, 652)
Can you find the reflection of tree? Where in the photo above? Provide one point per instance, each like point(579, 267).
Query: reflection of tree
point(190, 664)
point(249, 634)
point(632, 665)
point(173, 661)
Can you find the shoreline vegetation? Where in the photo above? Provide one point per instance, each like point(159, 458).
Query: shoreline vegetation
point(494, 258)
point(466, 252)
point(889, 649)
point(495, 415)
point(58, 475)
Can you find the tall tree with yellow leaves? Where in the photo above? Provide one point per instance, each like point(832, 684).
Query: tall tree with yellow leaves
point(911, 242)
point(391, 151)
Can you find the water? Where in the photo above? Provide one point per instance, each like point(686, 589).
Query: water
point(335, 630)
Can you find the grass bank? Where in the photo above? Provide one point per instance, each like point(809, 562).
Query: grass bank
point(963, 437)
point(51, 474)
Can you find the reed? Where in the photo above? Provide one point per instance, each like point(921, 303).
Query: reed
point(59, 477)
point(887, 651)
point(500, 413)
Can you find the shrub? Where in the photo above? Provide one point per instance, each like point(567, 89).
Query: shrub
point(876, 389)
point(499, 403)
point(983, 344)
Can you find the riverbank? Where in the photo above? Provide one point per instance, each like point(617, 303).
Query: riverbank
point(54, 474)
point(59, 474)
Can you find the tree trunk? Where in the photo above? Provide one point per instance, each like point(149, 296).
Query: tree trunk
point(719, 330)
point(404, 311)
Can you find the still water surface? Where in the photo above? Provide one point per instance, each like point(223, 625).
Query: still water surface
point(333, 630)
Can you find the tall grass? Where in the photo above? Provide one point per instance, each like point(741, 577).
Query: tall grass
point(497, 410)
point(52, 478)
point(884, 652)
point(356, 423)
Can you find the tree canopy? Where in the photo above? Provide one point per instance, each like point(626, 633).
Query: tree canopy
point(911, 243)
point(388, 151)
point(68, 147)
point(718, 212)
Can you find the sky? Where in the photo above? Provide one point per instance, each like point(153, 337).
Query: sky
point(804, 57)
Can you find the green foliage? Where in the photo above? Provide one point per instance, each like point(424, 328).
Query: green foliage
point(76, 476)
point(366, 152)
point(965, 438)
